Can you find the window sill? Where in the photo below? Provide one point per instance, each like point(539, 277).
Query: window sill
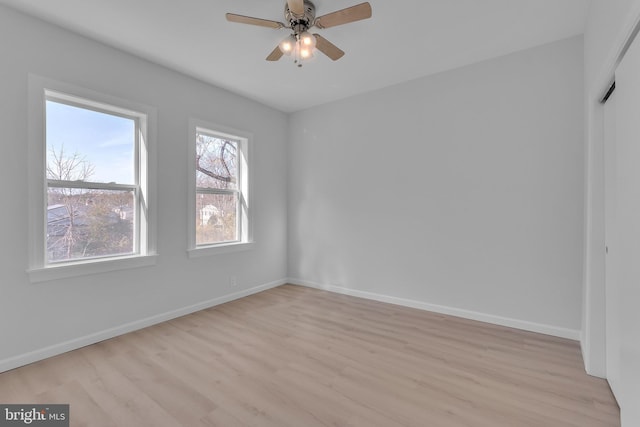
point(83, 268)
point(203, 251)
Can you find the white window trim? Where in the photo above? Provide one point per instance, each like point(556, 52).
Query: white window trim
point(245, 215)
point(38, 270)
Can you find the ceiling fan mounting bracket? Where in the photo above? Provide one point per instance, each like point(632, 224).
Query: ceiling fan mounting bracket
point(300, 23)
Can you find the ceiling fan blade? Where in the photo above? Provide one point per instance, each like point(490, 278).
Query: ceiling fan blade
point(296, 7)
point(275, 54)
point(241, 19)
point(344, 16)
point(328, 48)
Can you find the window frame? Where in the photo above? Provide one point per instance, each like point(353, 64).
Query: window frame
point(42, 90)
point(243, 214)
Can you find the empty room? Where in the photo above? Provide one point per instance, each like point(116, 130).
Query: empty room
point(320, 213)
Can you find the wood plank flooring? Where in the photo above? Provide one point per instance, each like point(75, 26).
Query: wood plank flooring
point(299, 357)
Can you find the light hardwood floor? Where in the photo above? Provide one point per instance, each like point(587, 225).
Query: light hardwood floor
point(300, 357)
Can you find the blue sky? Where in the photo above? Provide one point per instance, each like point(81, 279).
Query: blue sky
point(104, 140)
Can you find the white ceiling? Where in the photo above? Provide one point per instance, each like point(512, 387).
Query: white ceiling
point(404, 39)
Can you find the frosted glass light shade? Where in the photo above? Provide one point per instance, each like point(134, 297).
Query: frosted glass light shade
point(308, 40)
point(288, 45)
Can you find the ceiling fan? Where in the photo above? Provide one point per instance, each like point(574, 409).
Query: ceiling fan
point(300, 16)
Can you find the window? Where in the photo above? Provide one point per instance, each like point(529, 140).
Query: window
point(219, 208)
point(92, 181)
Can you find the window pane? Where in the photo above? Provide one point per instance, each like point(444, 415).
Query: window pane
point(87, 145)
point(216, 218)
point(216, 162)
point(89, 223)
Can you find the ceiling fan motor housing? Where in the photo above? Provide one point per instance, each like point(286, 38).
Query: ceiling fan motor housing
point(300, 23)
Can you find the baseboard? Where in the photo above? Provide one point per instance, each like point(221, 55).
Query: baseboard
point(452, 311)
point(54, 350)
point(585, 351)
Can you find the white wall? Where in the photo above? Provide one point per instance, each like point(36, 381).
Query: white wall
point(68, 312)
point(457, 191)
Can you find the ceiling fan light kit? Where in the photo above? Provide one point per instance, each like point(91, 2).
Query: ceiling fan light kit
point(299, 46)
point(300, 16)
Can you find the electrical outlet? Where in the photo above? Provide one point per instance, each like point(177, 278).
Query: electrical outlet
point(233, 281)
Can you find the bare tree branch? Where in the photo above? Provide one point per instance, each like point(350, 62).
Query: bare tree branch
point(69, 168)
point(212, 174)
point(223, 158)
point(216, 165)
